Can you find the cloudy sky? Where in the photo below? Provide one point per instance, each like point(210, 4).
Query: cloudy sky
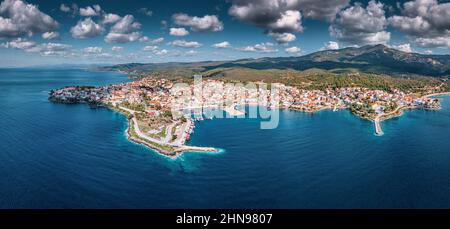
point(116, 31)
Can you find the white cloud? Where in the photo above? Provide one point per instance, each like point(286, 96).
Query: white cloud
point(262, 47)
point(19, 43)
point(360, 26)
point(426, 21)
point(258, 14)
point(413, 26)
point(289, 21)
point(64, 8)
point(191, 53)
point(283, 38)
point(161, 52)
point(403, 47)
point(433, 42)
point(93, 50)
point(222, 45)
point(178, 32)
point(186, 44)
point(97, 8)
point(157, 40)
point(113, 37)
point(73, 9)
point(207, 23)
point(284, 16)
point(86, 29)
point(56, 53)
point(144, 39)
point(125, 25)
point(150, 48)
point(293, 50)
point(123, 31)
point(331, 45)
point(90, 11)
point(117, 49)
point(49, 47)
point(110, 18)
point(274, 16)
point(50, 35)
point(45, 49)
point(19, 18)
point(107, 55)
point(145, 11)
point(326, 10)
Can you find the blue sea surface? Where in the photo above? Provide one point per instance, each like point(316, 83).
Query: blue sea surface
point(71, 156)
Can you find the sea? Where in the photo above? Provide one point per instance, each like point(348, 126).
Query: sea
point(72, 156)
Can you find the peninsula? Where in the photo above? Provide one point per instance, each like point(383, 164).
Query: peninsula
point(156, 107)
point(149, 123)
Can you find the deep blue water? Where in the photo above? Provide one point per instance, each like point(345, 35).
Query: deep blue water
point(71, 156)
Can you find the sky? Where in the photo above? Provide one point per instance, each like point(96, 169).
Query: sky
point(35, 33)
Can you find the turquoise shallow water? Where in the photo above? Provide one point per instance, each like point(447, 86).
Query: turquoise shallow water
point(71, 156)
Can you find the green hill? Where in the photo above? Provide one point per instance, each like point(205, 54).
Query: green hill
point(378, 59)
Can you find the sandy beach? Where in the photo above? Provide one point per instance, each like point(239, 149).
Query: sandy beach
point(436, 94)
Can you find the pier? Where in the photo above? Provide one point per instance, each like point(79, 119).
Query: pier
point(378, 130)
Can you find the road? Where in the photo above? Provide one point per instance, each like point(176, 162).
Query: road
point(168, 136)
point(138, 131)
point(182, 132)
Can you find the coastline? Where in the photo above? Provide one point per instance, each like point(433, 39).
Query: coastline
point(171, 144)
point(379, 118)
point(399, 110)
point(309, 111)
point(169, 151)
point(141, 142)
point(436, 94)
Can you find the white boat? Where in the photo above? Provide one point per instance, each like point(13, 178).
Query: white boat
point(335, 109)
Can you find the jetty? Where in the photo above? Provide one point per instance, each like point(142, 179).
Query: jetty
point(197, 149)
point(378, 130)
point(335, 108)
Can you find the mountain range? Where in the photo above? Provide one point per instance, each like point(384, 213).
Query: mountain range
point(378, 59)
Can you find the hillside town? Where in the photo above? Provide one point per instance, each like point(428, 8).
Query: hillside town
point(162, 113)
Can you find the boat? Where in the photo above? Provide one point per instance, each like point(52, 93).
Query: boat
point(335, 109)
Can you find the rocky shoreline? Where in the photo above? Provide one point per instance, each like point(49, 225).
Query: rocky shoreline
point(168, 151)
